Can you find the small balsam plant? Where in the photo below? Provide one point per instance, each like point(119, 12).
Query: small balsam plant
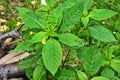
point(52, 34)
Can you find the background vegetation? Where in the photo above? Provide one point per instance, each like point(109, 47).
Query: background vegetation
point(95, 57)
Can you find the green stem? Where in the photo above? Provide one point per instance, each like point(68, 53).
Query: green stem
point(81, 30)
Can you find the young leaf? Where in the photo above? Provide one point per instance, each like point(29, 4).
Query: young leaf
point(108, 73)
point(102, 33)
point(29, 18)
point(101, 14)
point(38, 37)
point(85, 20)
point(115, 64)
point(39, 73)
point(52, 55)
point(88, 4)
point(115, 78)
point(72, 16)
point(69, 39)
point(81, 53)
point(99, 78)
point(67, 74)
point(51, 3)
point(21, 47)
point(92, 61)
point(69, 3)
point(22, 12)
point(82, 75)
point(55, 17)
point(28, 62)
point(43, 15)
point(38, 48)
point(29, 73)
point(108, 53)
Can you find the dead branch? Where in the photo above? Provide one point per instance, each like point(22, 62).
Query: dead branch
point(14, 33)
point(5, 40)
point(10, 71)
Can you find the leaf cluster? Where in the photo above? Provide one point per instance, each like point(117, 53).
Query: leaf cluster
point(67, 43)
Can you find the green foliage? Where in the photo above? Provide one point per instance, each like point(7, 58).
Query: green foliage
point(69, 39)
point(51, 3)
point(38, 37)
point(92, 61)
point(55, 18)
point(52, 55)
point(99, 78)
point(69, 42)
point(85, 20)
point(99, 14)
point(82, 75)
point(28, 62)
point(108, 73)
point(71, 16)
point(29, 46)
point(67, 74)
point(101, 33)
point(115, 63)
point(39, 73)
point(29, 18)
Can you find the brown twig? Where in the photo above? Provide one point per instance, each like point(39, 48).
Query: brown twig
point(5, 39)
point(14, 33)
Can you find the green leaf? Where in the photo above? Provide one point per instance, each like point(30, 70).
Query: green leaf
point(52, 55)
point(31, 20)
point(108, 73)
point(102, 33)
point(85, 20)
point(21, 47)
point(28, 62)
point(72, 16)
point(108, 52)
point(23, 11)
point(88, 4)
point(55, 17)
point(99, 78)
point(39, 72)
point(115, 78)
point(69, 3)
point(82, 75)
point(104, 61)
point(38, 37)
point(51, 3)
point(115, 64)
point(81, 53)
point(67, 74)
point(101, 14)
point(32, 23)
point(69, 39)
point(29, 72)
point(43, 15)
point(92, 61)
point(38, 48)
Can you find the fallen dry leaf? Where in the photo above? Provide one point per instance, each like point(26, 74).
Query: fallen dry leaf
point(13, 58)
point(2, 20)
point(3, 28)
point(8, 57)
point(15, 79)
point(17, 58)
point(8, 40)
point(1, 8)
